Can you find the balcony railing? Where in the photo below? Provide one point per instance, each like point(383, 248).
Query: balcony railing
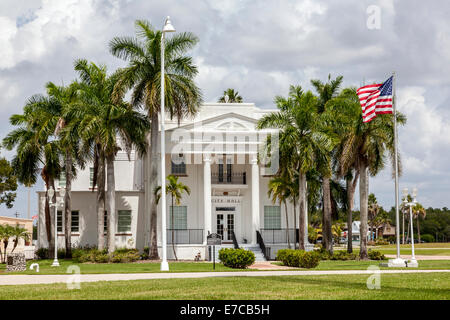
point(185, 236)
point(225, 178)
point(273, 236)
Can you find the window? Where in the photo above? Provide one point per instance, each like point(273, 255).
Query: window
point(124, 221)
point(75, 227)
point(59, 222)
point(178, 164)
point(91, 177)
point(272, 217)
point(179, 218)
point(62, 179)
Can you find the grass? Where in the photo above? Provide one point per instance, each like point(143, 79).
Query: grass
point(420, 249)
point(94, 268)
point(393, 287)
point(90, 268)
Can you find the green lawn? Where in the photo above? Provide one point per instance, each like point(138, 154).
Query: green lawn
point(89, 268)
point(422, 249)
point(393, 287)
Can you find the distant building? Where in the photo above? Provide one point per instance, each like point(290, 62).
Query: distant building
point(23, 223)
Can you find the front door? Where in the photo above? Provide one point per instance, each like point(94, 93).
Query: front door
point(225, 222)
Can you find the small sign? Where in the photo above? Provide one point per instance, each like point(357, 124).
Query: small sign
point(214, 239)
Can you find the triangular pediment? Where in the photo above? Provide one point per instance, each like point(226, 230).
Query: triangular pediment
point(224, 122)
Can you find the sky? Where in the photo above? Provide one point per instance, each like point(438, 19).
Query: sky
point(259, 48)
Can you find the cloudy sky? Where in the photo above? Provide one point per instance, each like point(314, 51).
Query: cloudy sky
point(259, 48)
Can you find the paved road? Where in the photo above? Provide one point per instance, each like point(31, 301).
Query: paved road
point(47, 279)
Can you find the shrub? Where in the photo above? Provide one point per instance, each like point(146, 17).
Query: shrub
point(375, 255)
point(343, 255)
point(324, 254)
point(299, 258)
point(236, 258)
point(381, 242)
point(42, 253)
point(427, 238)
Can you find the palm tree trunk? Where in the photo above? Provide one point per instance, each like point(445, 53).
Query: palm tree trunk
point(350, 196)
point(68, 206)
point(111, 198)
point(50, 220)
point(302, 210)
point(153, 183)
point(295, 224)
point(418, 228)
point(173, 235)
point(403, 227)
point(287, 224)
point(364, 201)
point(326, 232)
point(101, 203)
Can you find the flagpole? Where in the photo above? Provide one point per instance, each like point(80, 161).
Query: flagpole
point(398, 260)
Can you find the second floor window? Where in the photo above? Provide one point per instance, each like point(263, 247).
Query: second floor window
point(124, 221)
point(178, 164)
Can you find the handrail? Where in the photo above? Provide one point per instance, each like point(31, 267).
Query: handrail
point(260, 241)
point(235, 243)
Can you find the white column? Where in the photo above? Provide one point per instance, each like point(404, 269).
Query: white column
point(207, 194)
point(255, 198)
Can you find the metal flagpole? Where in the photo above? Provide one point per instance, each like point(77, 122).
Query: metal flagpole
point(398, 260)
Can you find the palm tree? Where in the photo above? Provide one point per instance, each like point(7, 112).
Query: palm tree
point(175, 189)
point(106, 124)
point(327, 92)
point(365, 146)
point(230, 96)
point(6, 232)
point(372, 213)
point(419, 211)
point(35, 147)
point(19, 233)
point(279, 192)
point(143, 75)
point(302, 140)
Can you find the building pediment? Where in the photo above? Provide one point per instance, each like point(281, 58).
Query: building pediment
point(225, 122)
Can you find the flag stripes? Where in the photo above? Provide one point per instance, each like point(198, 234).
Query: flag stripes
point(375, 99)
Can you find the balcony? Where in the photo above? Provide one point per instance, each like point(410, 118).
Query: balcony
point(185, 236)
point(237, 178)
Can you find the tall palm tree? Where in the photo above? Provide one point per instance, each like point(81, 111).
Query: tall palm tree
point(302, 139)
point(107, 124)
point(327, 92)
point(143, 76)
point(230, 96)
point(175, 189)
point(19, 233)
point(279, 192)
point(419, 212)
point(365, 146)
point(36, 148)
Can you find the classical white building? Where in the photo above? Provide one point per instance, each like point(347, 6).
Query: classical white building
point(216, 155)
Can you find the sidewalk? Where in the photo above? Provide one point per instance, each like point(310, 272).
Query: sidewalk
point(405, 256)
point(48, 279)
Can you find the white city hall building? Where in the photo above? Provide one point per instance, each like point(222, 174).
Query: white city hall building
point(216, 155)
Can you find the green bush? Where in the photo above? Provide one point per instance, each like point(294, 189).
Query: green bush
point(236, 258)
point(343, 255)
point(381, 242)
point(427, 238)
point(42, 253)
point(375, 255)
point(299, 258)
point(324, 254)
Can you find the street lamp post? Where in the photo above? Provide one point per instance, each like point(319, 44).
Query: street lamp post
point(164, 264)
point(50, 194)
point(411, 204)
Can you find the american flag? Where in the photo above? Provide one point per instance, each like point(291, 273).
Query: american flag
point(375, 99)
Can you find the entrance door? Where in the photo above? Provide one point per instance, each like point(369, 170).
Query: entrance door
point(225, 222)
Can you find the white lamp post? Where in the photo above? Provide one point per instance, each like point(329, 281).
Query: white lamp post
point(50, 194)
point(413, 262)
point(164, 264)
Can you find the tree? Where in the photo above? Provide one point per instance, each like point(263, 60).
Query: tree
point(143, 76)
point(279, 192)
point(6, 232)
point(8, 183)
point(19, 233)
point(175, 189)
point(107, 124)
point(230, 96)
point(302, 140)
point(365, 146)
point(419, 212)
point(327, 92)
point(36, 149)
point(372, 213)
